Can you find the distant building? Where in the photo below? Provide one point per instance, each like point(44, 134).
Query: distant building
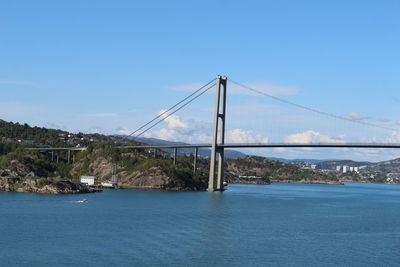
point(89, 180)
point(338, 168)
point(356, 170)
point(313, 166)
point(351, 169)
point(344, 169)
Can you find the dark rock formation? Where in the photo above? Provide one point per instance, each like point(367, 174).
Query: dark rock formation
point(156, 178)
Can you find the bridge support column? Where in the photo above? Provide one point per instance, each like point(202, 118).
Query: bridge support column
point(69, 156)
point(175, 152)
point(52, 156)
point(196, 153)
point(218, 133)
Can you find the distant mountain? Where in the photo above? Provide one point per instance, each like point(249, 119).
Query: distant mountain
point(203, 152)
point(389, 166)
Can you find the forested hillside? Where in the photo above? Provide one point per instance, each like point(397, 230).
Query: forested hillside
point(132, 168)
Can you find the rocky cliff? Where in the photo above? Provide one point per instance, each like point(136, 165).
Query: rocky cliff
point(138, 170)
point(30, 172)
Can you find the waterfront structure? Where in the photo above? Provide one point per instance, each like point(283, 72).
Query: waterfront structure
point(109, 184)
point(88, 180)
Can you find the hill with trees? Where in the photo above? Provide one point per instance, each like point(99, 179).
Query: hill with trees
point(23, 170)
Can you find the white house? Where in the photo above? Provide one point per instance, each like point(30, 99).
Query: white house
point(89, 180)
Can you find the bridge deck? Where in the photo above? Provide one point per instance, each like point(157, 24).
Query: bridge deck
point(57, 148)
point(276, 145)
point(251, 145)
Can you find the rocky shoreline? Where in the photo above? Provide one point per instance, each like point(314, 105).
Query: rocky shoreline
point(32, 186)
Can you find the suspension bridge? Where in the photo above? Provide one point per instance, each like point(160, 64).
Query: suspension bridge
point(218, 144)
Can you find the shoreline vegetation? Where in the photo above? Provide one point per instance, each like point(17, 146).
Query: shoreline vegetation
point(22, 170)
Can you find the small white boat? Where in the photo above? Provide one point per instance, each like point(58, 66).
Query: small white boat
point(109, 184)
point(225, 184)
point(83, 201)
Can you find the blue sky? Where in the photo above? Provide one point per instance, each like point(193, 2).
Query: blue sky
point(112, 65)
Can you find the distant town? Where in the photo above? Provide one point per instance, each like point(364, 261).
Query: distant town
point(365, 172)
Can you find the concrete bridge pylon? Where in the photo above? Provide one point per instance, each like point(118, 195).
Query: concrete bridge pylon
point(216, 178)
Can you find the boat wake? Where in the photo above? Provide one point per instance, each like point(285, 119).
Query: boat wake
point(82, 201)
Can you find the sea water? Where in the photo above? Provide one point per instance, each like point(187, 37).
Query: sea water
point(247, 225)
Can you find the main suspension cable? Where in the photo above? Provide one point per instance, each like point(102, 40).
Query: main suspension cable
point(313, 109)
point(171, 108)
point(170, 114)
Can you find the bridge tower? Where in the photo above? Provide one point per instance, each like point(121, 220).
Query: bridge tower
point(217, 151)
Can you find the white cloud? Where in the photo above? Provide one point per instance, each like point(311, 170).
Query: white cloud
point(173, 121)
point(356, 116)
point(244, 136)
point(179, 136)
point(264, 86)
point(393, 138)
point(123, 131)
point(191, 131)
point(199, 132)
point(311, 137)
point(177, 129)
point(96, 129)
